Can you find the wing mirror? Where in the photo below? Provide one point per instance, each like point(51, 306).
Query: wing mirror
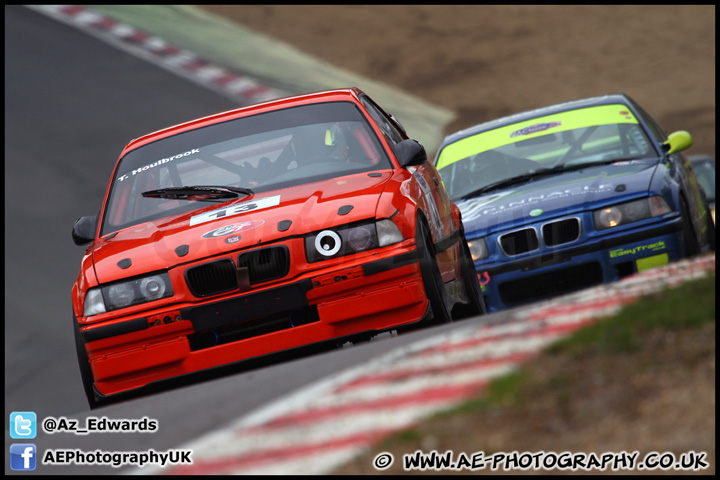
point(409, 153)
point(84, 230)
point(678, 141)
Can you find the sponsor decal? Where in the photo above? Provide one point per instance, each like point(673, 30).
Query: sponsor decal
point(236, 209)
point(158, 163)
point(471, 210)
point(421, 181)
point(233, 229)
point(653, 247)
point(538, 127)
point(436, 222)
point(536, 212)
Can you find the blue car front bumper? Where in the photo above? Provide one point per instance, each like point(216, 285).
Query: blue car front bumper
point(592, 260)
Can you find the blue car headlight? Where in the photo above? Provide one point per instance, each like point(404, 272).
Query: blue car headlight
point(629, 212)
point(478, 249)
point(127, 293)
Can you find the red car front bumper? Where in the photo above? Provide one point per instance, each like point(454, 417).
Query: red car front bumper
point(376, 295)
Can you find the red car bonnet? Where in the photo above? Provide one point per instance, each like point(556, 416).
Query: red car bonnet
point(151, 246)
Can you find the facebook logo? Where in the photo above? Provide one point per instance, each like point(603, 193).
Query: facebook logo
point(22, 456)
point(23, 425)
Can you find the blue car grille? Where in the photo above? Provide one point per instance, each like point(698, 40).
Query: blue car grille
point(553, 233)
point(519, 241)
point(560, 232)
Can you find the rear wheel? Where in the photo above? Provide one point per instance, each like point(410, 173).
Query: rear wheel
point(692, 246)
point(710, 224)
point(432, 280)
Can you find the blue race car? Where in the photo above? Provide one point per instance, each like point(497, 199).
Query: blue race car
point(573, 195)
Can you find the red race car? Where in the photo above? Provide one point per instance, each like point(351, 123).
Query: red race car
point(275, 226)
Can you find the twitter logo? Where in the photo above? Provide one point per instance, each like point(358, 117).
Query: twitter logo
point(23, 425)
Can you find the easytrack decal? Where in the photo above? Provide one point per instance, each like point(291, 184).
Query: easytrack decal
point(654, 247)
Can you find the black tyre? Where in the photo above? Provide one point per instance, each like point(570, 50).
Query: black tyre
point(710, 224)
point(85, 371)
point(432, 280)
point(711, 230)
point(692, 246)
point(473, 292)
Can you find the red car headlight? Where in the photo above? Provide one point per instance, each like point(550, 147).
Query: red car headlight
point(349, 239)
point(125, 294)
